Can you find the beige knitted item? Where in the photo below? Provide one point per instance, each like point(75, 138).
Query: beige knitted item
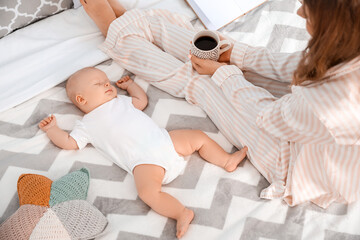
point(49, 228)
point(81, 219)
point(22, 222)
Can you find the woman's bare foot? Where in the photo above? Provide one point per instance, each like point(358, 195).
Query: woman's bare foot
point(183, 222)
point(100, 12)
point(117, 7)
point(235, 159)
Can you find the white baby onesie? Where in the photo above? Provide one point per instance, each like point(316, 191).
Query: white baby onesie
point(128, 137)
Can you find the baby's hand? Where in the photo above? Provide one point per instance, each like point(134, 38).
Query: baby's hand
point(47, 123)
point(124, 82)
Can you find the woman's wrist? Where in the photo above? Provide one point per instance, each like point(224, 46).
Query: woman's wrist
point(220, 64)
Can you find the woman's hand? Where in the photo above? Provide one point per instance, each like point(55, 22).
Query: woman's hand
point(205, 66)
point(225, 57)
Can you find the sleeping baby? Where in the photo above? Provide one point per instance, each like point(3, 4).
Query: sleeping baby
point(116, 126)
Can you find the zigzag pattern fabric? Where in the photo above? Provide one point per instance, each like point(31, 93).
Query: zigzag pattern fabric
point(227, 206)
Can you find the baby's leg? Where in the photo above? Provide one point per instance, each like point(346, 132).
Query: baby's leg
point(100, 12)
point(148, 180)
point(188, 141)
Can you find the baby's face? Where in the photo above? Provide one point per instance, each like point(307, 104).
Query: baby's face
point(95, 88)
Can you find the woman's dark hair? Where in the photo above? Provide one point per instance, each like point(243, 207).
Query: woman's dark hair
point(335, 37)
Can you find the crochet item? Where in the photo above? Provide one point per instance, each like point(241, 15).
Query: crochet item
point(71, 186)
point(80, 218)
point(34, 189)
point(21, 224)
point(54, 210)
point(48, 227)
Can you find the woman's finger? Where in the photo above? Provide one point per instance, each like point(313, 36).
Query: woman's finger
point(195, 66)
point(195, 59)
point(199, 63)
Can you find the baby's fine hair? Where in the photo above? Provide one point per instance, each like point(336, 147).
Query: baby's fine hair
point(71, 83)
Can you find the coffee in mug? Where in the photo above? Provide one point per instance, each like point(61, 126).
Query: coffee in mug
point(206, 44)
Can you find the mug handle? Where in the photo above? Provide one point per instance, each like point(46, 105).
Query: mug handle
point(224, 49)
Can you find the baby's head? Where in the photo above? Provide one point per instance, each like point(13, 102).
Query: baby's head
point(89, 88)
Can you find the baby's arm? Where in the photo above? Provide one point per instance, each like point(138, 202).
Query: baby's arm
point(58, 136)
point(139, 98)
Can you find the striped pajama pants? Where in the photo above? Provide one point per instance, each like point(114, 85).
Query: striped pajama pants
point(154, 45)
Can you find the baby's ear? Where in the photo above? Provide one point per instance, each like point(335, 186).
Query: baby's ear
point(80, 100)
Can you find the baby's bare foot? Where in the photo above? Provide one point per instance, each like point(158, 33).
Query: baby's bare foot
point(100, 12)
point(183, 222)
point(235, 159)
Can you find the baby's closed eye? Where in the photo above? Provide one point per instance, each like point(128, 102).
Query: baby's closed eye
point(100, 83)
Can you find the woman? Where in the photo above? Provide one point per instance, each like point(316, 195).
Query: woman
point(306, 143)
point(317, 126)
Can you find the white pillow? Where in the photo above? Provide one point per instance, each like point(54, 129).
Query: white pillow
point(178, 6)
point(44, 54)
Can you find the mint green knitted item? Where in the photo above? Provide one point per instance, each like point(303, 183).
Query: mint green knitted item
point(72, 186)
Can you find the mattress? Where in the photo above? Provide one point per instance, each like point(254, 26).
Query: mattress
point(226, 205)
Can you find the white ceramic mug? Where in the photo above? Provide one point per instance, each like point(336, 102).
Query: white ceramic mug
point(214, 53)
